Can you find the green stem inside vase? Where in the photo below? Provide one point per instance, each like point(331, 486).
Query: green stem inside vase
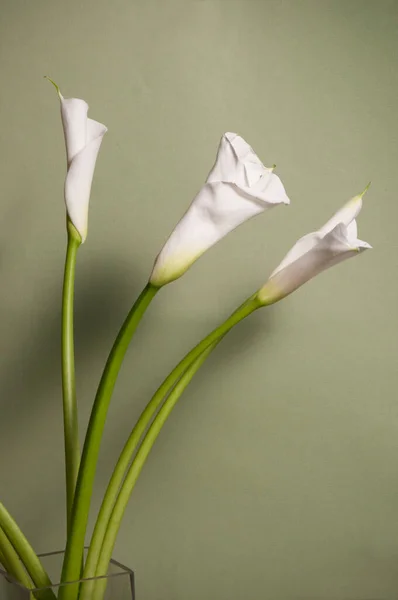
point(11, 561)
point(26, 554)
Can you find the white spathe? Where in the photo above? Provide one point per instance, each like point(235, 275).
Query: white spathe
point(237, 188)
point(83, 138)
point(334, 242)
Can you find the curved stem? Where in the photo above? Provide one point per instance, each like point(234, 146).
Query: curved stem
point(136, 467)
point(183, 368)
point(27, 555)
point(146, 416)
point(12, 563)
point(128, 451)
point(84, 487)
point(71, 432)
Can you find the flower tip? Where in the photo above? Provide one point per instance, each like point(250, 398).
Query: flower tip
point(365, 190)
point(272, 168)
point(361, 246)
point(230, 136)
point(55, 85)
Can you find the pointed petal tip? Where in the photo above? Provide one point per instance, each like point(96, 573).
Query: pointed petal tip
point(361, 246)
point(55, 85)
point(286, 200)
point(361, 195)
point(230, 136)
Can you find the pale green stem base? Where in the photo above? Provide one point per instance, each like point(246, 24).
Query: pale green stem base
point(11, 561)
point(26, 553)
point(75, 545)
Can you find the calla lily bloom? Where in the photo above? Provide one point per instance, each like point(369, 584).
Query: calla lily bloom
point(237, 188)
point(334, 242)
point(83, 138)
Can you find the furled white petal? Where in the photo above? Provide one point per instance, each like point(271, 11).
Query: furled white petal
point(301, 247)
point(74, 121)
point(352, 237)
point(316, 252)
point(361, 246)
point(79, 179)
point(217, 209)
point(328, 251)
point(233, 193)
point(95, 130)
point(236, 162)
point(352, 230)
point(269, 189)
point(83, 139)
point(346, 214)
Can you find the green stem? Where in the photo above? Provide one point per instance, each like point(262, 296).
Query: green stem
point(131, 445)
point(27, 555)
point(3, 559)
point(11, 561)
point(136, 467)
point(84, 487)
point(71, 431)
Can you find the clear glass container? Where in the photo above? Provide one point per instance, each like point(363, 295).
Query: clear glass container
point(120, 581)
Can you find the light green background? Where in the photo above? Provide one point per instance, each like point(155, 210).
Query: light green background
point(277, 475)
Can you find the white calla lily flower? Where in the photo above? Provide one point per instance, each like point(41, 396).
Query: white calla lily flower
point(237, 188)
point(83, 138)
point(331, 244)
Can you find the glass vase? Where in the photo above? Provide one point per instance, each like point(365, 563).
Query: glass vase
point(120, 581)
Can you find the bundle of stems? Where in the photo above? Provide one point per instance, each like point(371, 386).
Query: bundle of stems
point(16, 554)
